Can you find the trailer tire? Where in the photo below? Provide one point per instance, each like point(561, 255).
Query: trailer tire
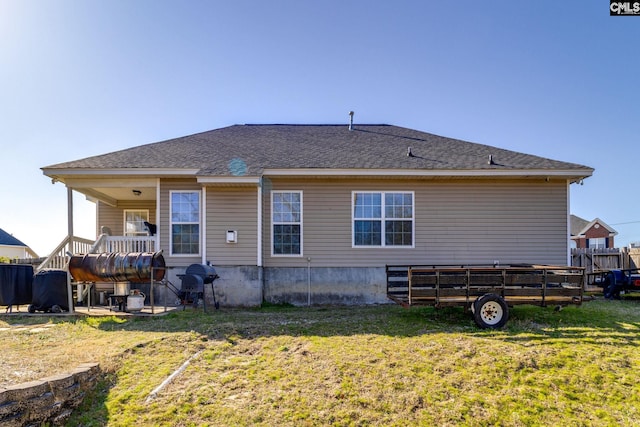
point(490, 311)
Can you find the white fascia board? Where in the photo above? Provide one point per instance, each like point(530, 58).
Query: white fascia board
point(560, 173)
point(116, 182)
point(151, 172)
point(227, 180)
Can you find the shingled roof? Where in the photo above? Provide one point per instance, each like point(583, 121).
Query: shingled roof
point(7, 239)
point(249, 150)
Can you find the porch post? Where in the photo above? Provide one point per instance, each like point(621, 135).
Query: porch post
point(568, 235)
point(70, 218)
point(69, 246)
point(157, 236)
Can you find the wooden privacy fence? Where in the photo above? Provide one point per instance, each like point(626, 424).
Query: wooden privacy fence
point(594, 260)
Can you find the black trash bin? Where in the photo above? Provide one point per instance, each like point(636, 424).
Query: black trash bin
point(15, 284)
point(50, 292)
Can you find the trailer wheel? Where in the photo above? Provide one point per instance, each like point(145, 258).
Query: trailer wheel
point(490, 311)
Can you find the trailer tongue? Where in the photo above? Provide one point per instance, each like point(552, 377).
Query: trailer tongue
point(486, 291)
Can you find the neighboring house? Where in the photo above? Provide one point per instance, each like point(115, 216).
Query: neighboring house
point(12, 248)
point(594, 234)
point(313, 213)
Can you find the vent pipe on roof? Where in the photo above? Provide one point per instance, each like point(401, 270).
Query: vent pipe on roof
point(350, 120)
point(490, 161)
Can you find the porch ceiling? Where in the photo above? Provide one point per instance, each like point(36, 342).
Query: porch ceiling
point(112, 196)
point(113, 191)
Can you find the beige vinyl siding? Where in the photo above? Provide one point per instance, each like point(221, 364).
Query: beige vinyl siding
point(456, 221)
point(509, 222)
point(113, 217)
point(232, 209)
point(166, 186)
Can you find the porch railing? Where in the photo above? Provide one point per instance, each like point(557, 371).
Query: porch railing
point(59, 256)
point(106, 243)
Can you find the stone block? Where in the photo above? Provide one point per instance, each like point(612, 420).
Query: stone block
point(44, 411)
point(38, 404)
point(75, 400)
point(13, 420)
point(9, 409)
point(26, 391)
point(59, 381)
point(69, 393)
point(49, 400)
point(61, 418)
point(4, 396)
point(86, 374)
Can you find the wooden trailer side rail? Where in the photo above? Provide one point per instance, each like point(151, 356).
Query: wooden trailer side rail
point(441, 286)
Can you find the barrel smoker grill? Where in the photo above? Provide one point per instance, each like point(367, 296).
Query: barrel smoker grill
point(135, 267)
point(193, 281)
point(119, 268)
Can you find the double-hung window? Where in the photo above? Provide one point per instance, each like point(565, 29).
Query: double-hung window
point(597, 243)
point(185, 222)
point(134, 222)
point(383, 219)
point(286, 223)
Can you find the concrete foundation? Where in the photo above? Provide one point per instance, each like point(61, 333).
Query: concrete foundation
point(237, 287)
point(325, 285)
point(250, 286)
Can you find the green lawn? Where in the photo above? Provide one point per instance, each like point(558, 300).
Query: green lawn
point(359, 366)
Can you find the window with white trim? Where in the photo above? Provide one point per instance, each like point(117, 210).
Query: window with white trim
point(382, 219)
point(597, 243)
point(286, 223)
point(185, 222)
point(134, 222)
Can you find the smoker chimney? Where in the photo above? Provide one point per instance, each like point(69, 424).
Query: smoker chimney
point(350, 120)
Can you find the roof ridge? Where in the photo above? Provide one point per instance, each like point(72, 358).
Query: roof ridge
point(314, 124)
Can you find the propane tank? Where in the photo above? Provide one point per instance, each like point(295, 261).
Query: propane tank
point(135, 301)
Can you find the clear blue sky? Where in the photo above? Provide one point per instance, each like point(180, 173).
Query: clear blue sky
point(553, 78)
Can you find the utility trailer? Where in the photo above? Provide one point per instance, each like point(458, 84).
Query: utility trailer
point(617, 282)
point(487, 291)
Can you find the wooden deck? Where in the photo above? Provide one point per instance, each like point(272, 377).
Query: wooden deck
point(97, 311)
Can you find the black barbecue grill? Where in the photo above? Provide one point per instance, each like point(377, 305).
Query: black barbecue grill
point(193, 281)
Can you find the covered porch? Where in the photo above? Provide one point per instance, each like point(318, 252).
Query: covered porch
point(135, 204)
point(196, 221)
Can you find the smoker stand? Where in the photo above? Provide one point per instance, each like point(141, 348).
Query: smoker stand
point(118, 300)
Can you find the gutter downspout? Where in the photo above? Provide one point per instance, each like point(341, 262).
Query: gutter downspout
point(259, 239)
point(204, 225)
